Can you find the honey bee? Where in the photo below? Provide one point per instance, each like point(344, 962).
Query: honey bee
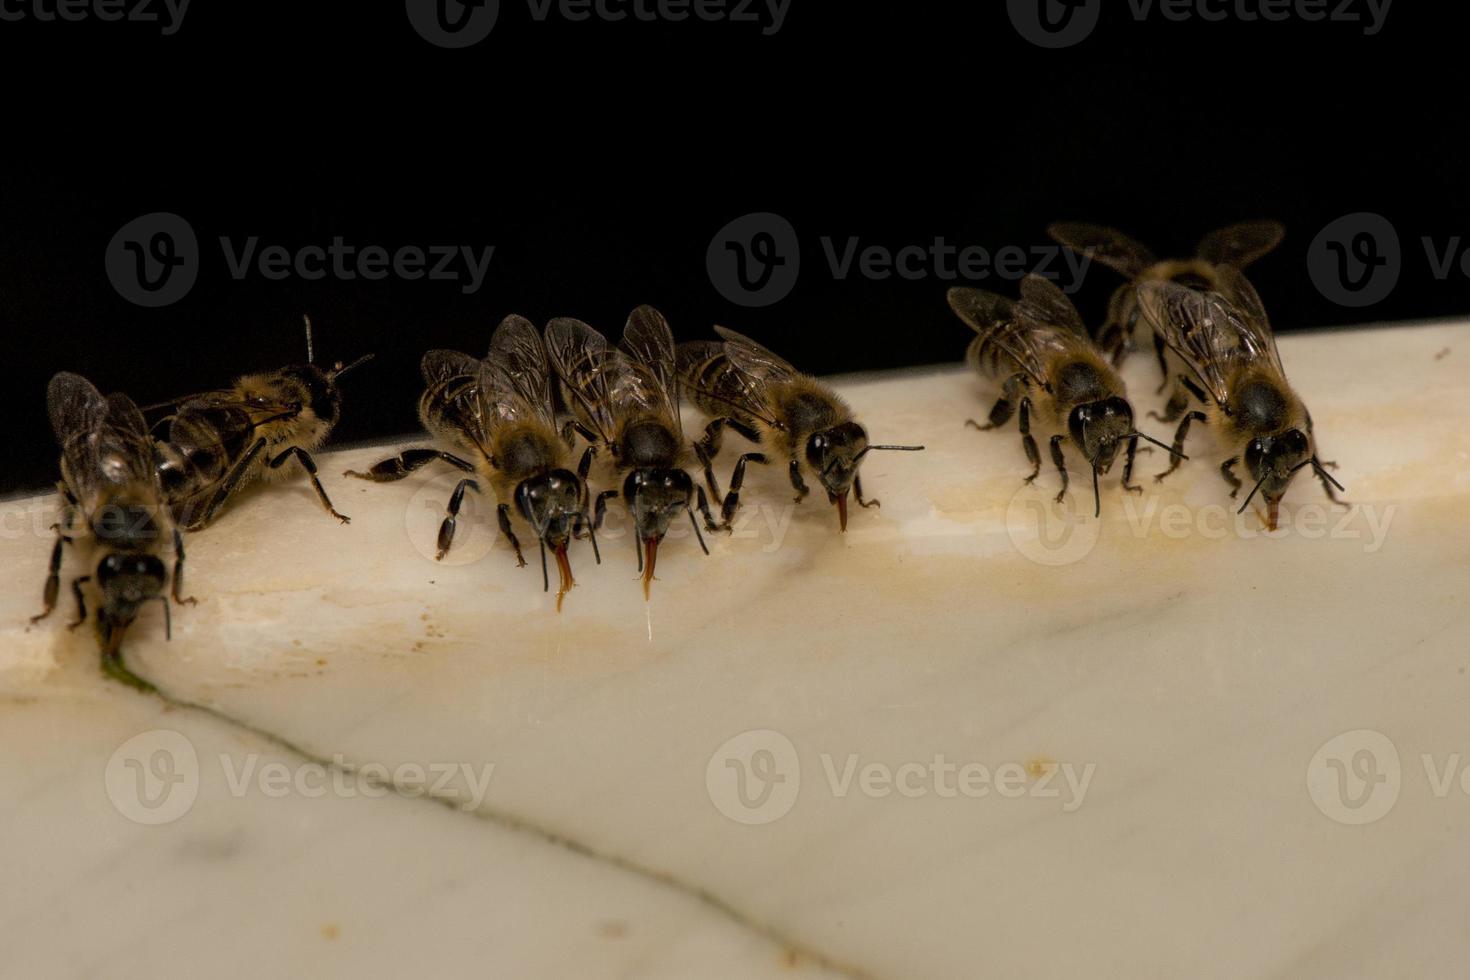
point(745, 387)
point(1039, 351)
point(499, 412)
point(1237, 245)
point(1225, 340)
point(217, 442)
point(626, 400)
point(112, 513)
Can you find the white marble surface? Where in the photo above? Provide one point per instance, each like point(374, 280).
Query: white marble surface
point(1186, 671)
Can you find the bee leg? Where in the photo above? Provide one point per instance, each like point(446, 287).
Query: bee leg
point(1227, 470)
point(503, 512)
point(53, 580)
point(76, 590)
point(857, 489)
point(709, 521)
point(1128, 467)
point(600, 510)
point(227, 486)
point(573, 427)
point(1057, 458)
point(1005, 406)
point(451, 515)
point(408, 461)
point(179, 571)
point(794, 470)
point(1162, 353)
point(1176, 452)
point(1029, 443)
point(1178, 402)
point(309, 465)
point(737, 480)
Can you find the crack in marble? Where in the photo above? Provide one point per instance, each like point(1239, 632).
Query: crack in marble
point(794, 952)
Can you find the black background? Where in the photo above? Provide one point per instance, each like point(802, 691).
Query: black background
point(600, 158)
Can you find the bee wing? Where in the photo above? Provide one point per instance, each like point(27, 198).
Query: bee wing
point(452, 391)
point(104, 441)
point(708, 371)
point(1248, 316)
point(586, 366)
point(515, 378)
point(1044, 302)
point(1202, 328)
point(74, 405)
point(997, 321)
point(441, 365)
point(753, 358)
point(649, 342)
point(1108, 245)
point(1241, 244)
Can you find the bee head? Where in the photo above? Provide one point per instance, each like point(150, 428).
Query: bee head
point(655, 497)
point(1274, 460)
point(126, 581)
point(307, 386)
point(1100, 428)
point(550, 503)
point(834, 454)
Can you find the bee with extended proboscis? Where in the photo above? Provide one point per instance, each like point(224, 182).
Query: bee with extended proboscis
point(1237, 245)
point(1225, 340)
point(1040, 353)
point(217, 442)
point(113, 514)
point(499, 412)
point(743, 386)
point(625, 399)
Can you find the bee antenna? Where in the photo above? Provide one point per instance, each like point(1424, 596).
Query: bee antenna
point(695, 524)
point(592, 533)
point(1252, 494)
point(168, 620)
point(902, 449)
point(342, 369)
point(1135, 434)
point(1096, 500)
point(1321, 471)
point(310, 353)
point(545, 579)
